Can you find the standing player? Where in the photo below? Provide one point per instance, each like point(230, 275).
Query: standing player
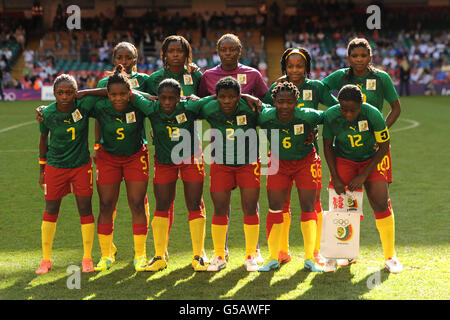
point(122, 155)
point(125, 54)
point(376, 86)
point(229, 49)
point(171, 121)
point(296, 68)
point(297, 162)
point(354, 127)
point(235, 163)
point(65, 161)
point(176, 54)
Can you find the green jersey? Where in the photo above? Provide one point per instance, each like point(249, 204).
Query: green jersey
point(121, 131)
point(234, 137)
point(355, 140)
point(138, 82)
point(375, 85)
point(189, 81)
point(311, 93)
point(290, 136)
point(68, 146)
point(170, 130)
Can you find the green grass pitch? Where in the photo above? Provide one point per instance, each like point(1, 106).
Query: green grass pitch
point(420, 197)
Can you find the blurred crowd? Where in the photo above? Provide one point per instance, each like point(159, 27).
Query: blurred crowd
point(415, 47)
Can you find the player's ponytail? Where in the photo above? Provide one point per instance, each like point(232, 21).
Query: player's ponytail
point(119, 76)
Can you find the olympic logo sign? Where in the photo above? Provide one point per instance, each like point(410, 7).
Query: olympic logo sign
point(341, 222)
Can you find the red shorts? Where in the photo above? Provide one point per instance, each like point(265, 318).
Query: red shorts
point(223, 177)
point(58, 181)
point(305, 172)
point(189, 172)
point(348, 169)
point(112, 169)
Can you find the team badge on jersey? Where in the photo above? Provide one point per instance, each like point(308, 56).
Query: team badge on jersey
point(187, 78)
point(307, 95)
point(298, 129)
point(181, 118)
point(131, 117)
point(76, 115)
point(134, 83)
point(242, 78)
point(371, 84)
point(363, 125)
point(241, 120)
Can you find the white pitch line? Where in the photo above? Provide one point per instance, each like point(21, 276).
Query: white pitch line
point(17, 126)
point(411, 126)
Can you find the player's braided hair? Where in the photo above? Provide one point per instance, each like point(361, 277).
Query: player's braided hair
point(285, 86)
point(229, 36)
point(66, 78)
point(119, 76)
point(228, 83)
point(184, 44)
point(302, 52)
point(128, 46)
point(170, 83)
point(358, 43)
point(350, 92)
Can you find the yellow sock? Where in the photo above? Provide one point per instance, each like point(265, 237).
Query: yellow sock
point(284, 236)
point(219, 228)
point(274, 240)
point(105, 241)
point(48, 233)
point(87, 232)
point(386, 228)
point(160, 227)
point(309, 237)
point(251, 231)
point(139, 245)
point(319, 231)
point(197, 229)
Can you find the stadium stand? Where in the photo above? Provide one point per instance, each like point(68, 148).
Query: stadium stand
point(415, 37)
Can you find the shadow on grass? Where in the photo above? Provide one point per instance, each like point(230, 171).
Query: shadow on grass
point(339, 286)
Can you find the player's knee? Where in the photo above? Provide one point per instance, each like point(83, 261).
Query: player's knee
point(107, 206)
point(380, 206)
point(251, 208)
point(137, 204)
point(52, 207)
